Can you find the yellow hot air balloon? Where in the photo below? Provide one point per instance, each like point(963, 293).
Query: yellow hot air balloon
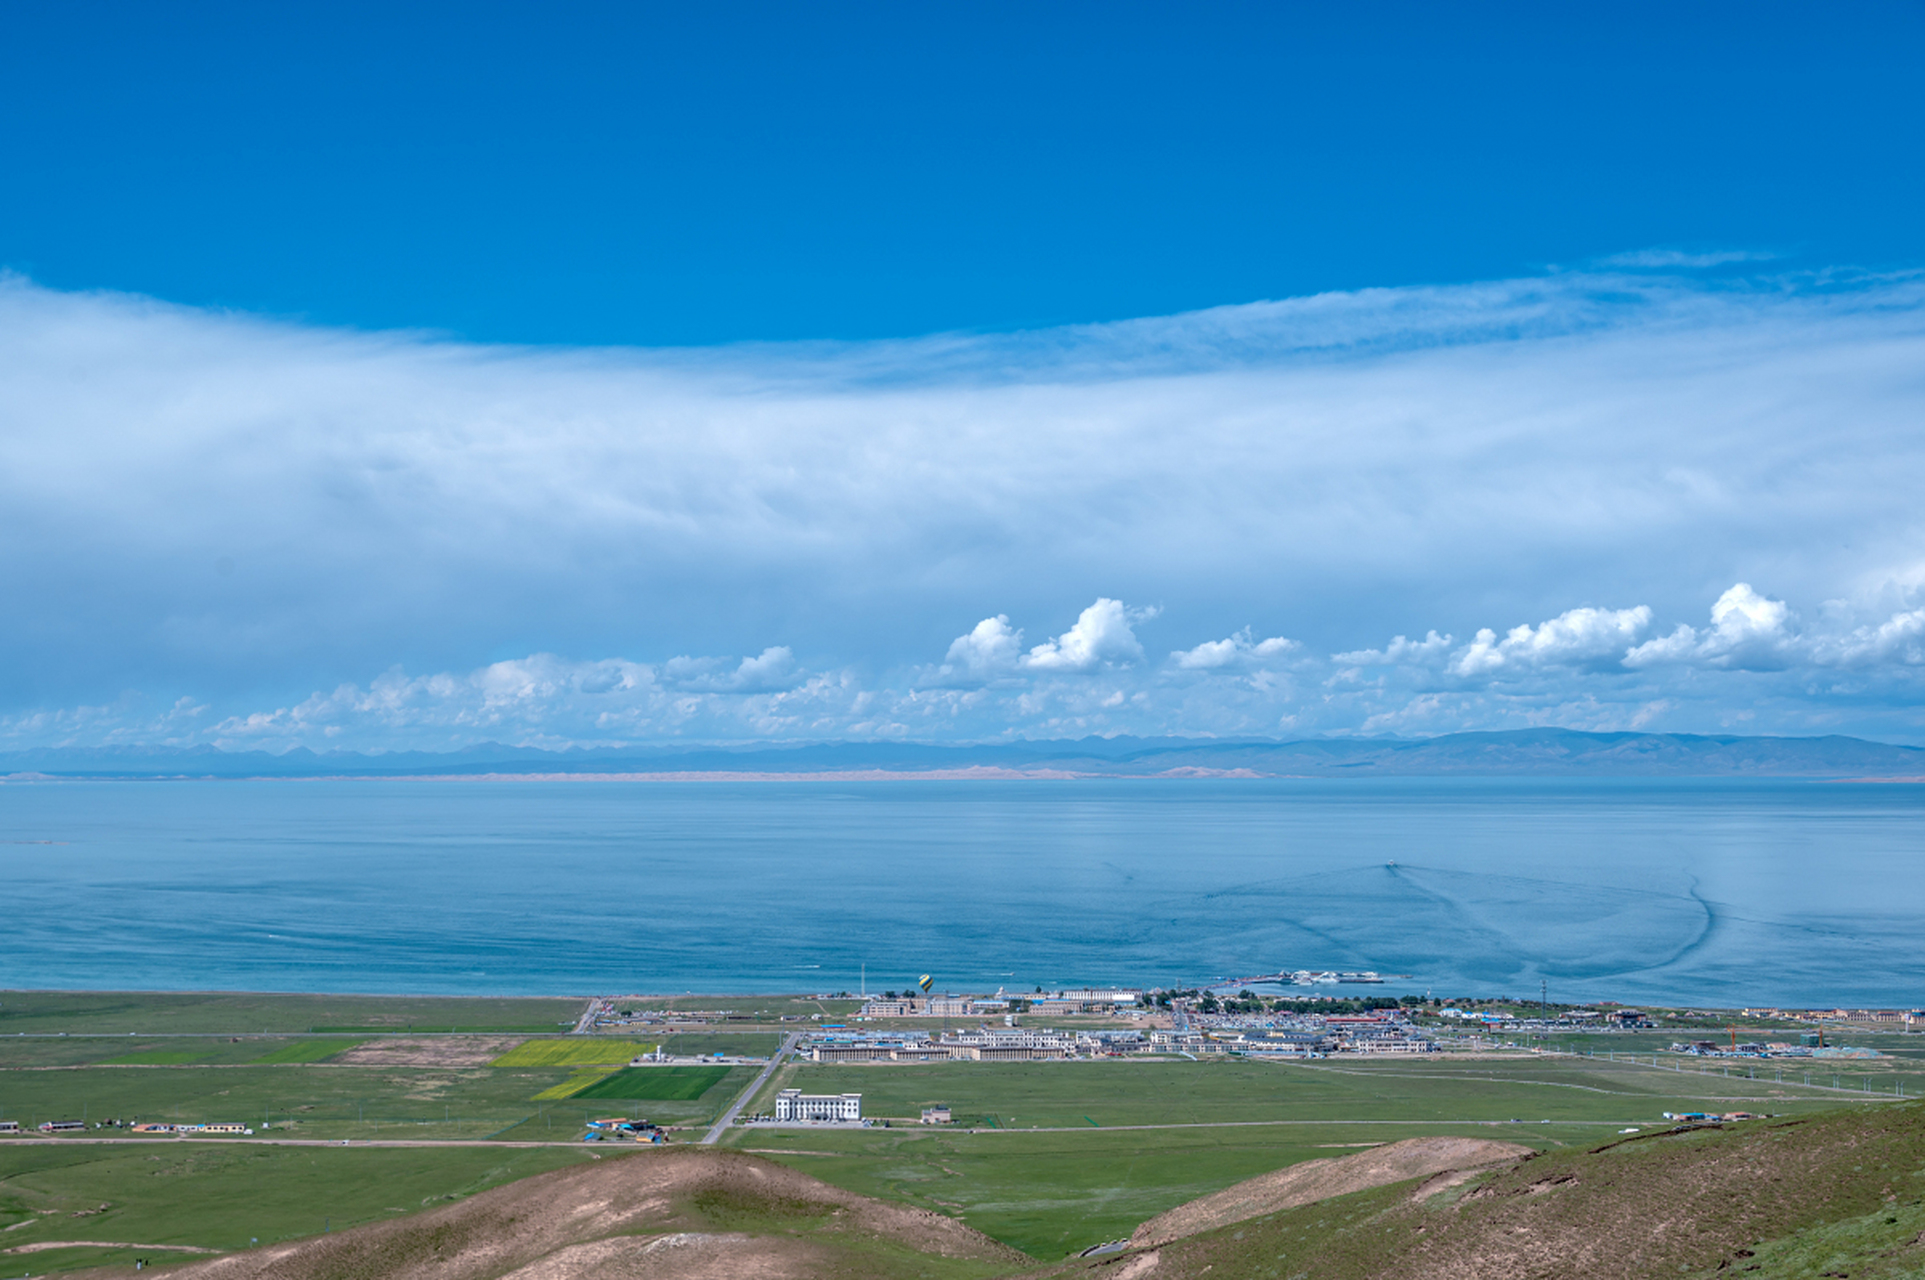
point(925, 982)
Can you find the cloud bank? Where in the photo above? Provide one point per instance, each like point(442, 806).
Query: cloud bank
point(1626, 498)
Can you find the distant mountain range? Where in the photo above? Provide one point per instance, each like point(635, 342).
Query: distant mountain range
point(1523, 752)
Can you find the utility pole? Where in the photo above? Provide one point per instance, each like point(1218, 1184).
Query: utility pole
point(1544, 999)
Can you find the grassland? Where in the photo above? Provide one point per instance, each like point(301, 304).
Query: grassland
point(1051, 1170)
point(330, 1100)
point(308, 1050)
point(1063, 1155)
point(224, 1195)
point(1838, 1194)
point(764, 1007)
point(668, 1214)
point(229, 1013)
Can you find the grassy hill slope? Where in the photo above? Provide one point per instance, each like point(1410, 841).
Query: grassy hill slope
point(680, 1214)
point(1837, 1194)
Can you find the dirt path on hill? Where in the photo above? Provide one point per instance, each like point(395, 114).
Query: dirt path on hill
point(1314, 1180)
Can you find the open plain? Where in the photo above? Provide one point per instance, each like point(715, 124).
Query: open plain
point(371, 1117)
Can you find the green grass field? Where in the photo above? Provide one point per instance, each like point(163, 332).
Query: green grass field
point(1040, 1176)
point(1166, 1092)
point(294, 1051)
point(574, 1084)
point(657, 1084)
point(745, 1044)
point(309, 1050)
point(770, 1007)
point(225, 1195)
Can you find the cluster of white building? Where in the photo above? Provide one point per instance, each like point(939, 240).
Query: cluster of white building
point(986, 1044)
point(1299, 1036)
point(1075, 1000)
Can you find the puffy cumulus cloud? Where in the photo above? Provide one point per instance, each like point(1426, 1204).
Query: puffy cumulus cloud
point(1573, 670)
point(1102, 637)
point(1232, 651)
point(1575, 636)
point(992, 648)
point(215, 520)
point(1747, 630)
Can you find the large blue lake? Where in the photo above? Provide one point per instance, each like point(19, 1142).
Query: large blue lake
point(1682, 892)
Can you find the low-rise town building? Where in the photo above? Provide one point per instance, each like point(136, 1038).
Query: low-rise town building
point(793, 1105)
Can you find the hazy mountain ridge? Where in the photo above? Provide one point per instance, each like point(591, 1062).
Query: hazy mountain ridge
point(1526, 752)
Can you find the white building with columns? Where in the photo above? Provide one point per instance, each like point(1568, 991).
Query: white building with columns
point(793, 1104)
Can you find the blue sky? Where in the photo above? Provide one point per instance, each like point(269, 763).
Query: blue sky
point(694, 174)
point(627, 374)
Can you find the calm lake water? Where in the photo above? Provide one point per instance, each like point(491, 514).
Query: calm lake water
point(1679, 892)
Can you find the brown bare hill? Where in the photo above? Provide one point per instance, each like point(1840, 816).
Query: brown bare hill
point(681, 1214)
point(1315, 1180)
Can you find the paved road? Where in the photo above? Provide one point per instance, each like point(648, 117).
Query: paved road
point(586, 1023)
point(728, 1117)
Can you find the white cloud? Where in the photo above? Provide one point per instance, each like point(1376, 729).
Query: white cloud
point(1101, 637)
point(1575, 636)
point(991, 648)
point(1900, 638)
point(774, 668)
point(1402, 651)
point(1673, 258)
point(1747, 630)
point(206, 505)
point(1236, 650)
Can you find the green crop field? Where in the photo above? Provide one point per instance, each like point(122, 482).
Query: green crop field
point(309, 1050)
point(163, 1050)
point(161, 1058)
point(664, 1084)
point(285, 1051)
point(745, 1044)
point(574, 1084)
point(582, 1052)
